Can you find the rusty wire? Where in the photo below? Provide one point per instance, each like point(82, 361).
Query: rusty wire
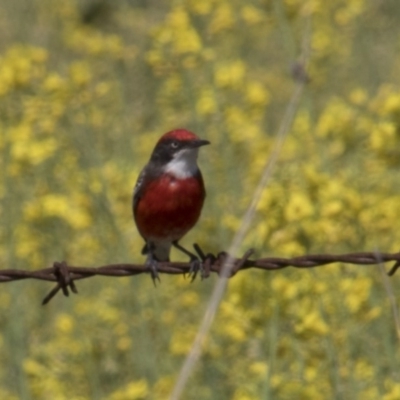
point(65, 275)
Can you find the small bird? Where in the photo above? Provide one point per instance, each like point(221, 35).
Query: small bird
point(168, 197)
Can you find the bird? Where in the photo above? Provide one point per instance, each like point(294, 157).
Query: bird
point(168, 197)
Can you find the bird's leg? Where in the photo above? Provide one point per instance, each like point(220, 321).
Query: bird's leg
point(195, 264)
point(152, 262)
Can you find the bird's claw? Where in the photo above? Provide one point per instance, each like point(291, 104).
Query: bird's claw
point(196, 266)
point(151, 265)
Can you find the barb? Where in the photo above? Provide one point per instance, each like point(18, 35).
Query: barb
point(389, 290)
point(65, 275)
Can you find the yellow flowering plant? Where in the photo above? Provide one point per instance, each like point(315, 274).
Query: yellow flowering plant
point(86, 88)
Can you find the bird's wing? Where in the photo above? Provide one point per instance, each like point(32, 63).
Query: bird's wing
point(138, 189)
point(137, 194)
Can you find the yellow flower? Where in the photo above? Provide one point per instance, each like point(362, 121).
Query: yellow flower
point(124, 343)
point(69, 209)
point(363, 370)
point(163, 387)
point(33, 152)
point(259, 369)
point(383, 136)
point(203, 7)
point(321, 41)
point(132, 391)
point(188, 42)
point(392, 390)
point(55, 205)
point(33, 367)
point(251, 15)
point(181, 33)
point(311, 373)
point(358, 96)
point(189, 299)
point(373, 313)
point(64, 323)
point(298, 207)
point(312, 323)
point(332, 208)
point(356, 293)
point(80, 73)
point(230, 221)
point(206, 103)
point(242, 393)
point(256, 94)
point(222, 19)
point(182, 340)
point(53, 82)
point(286, 288)
point(391, 103)
point(230, 74)
point(348, 12)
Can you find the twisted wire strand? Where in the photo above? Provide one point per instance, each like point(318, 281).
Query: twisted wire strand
point(65, 275)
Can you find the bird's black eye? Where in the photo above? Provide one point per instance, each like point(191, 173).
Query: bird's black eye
point(174, 144)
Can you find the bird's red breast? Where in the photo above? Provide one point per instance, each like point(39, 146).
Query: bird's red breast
point(169, 207)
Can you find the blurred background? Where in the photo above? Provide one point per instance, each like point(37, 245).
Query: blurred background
point(86, 89)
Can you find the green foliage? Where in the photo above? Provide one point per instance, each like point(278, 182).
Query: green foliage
point(86, 88)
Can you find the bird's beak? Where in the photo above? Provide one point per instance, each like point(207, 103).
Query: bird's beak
point(197, 143)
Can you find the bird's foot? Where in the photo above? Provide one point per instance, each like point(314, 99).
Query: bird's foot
point(152, 266)
point(196, 266)
point(201, 264)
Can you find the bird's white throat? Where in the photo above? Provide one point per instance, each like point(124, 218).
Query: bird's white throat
point(184, 164)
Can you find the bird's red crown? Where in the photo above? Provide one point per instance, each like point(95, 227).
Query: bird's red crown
point(179, 134)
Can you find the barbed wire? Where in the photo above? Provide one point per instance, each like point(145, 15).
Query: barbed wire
point(65, 275)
